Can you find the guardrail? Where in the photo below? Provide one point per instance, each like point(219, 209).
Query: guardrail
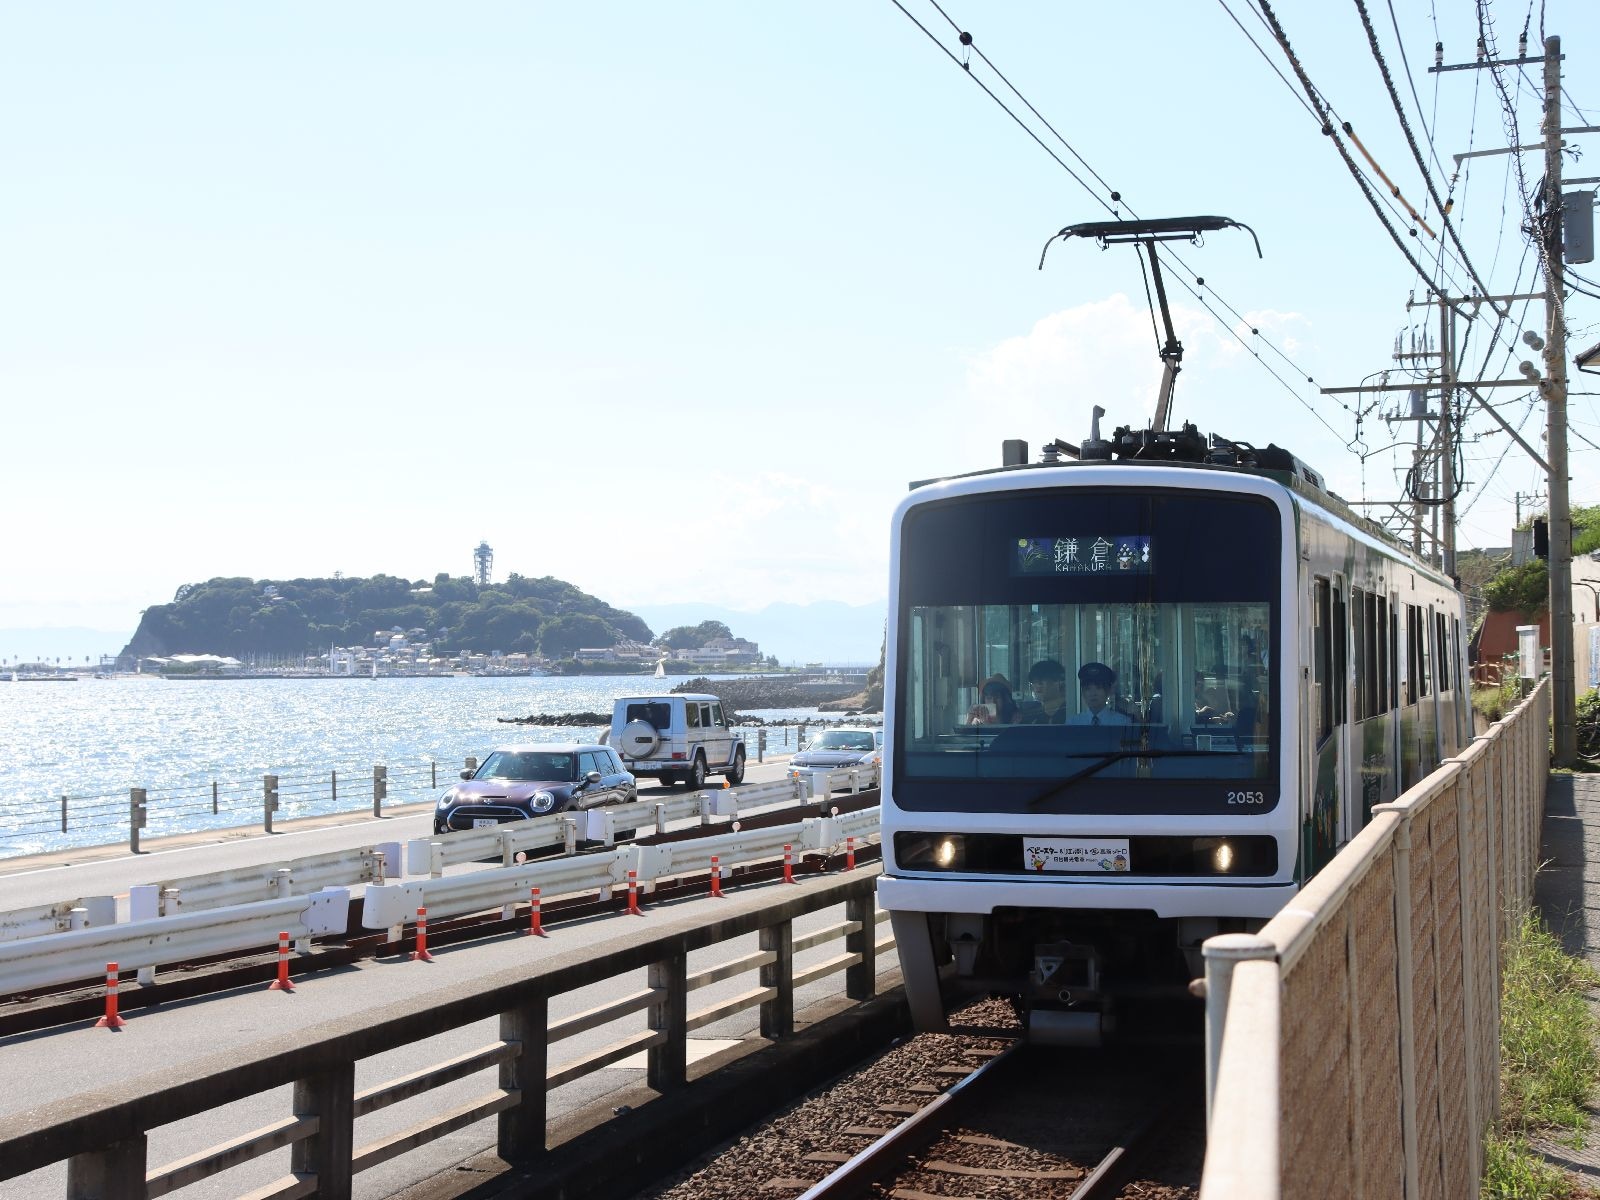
point(147, 945)
point(187, 916)
point(57, 917)
point(263, 881)
point(102, 1135)
point(109, 817)
point(1356, 1037)
point(34, 825)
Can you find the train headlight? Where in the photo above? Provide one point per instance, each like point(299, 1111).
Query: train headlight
point(931, 851)
point(1222, 858)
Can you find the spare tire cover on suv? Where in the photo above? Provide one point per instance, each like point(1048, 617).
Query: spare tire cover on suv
point(639, 739)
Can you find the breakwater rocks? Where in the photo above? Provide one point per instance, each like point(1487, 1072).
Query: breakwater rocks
point(738, 696)
point(742, 695)
point(572, 718)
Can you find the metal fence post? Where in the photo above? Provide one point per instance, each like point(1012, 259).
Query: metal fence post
point(269, 800)
point(63, 814)
point(761, 746)
point(137, 813)
point(213, 797)
point(380, 789)
point(666, 1065)
point(114, 1173)
point(329, 1096)
point(860, 978)
point(522, 1127)
point(777, 1014)
point(333, 787)
point(433, 773)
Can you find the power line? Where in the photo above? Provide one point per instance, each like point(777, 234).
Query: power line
point(1115, 198)
point(1329, 131)
point(1411, 140)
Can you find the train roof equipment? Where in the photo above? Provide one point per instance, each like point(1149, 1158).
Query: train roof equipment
point(1147, 234)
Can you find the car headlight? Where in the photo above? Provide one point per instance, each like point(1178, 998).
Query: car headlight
point(446, 800)
point(542, 802)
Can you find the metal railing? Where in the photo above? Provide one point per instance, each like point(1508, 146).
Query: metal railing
point(69, 821)
point(103, 1136)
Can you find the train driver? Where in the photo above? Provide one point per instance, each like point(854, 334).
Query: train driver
point(1095, 681)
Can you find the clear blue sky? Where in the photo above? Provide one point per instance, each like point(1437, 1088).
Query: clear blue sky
point(295, 289)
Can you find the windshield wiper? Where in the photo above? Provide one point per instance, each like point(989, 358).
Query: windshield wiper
point(1105, 761)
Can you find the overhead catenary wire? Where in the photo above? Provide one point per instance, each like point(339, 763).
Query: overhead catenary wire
point(1411, 140)
point(1111, 200)
point(1329, 130)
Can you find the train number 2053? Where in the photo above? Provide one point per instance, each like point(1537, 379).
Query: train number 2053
point(1247, 797)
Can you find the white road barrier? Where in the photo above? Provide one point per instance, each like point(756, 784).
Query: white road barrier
point(58, 917)
point(349, 868)
point(80, 954)
point(821, 784)
point(393, 905)
point(430, 856)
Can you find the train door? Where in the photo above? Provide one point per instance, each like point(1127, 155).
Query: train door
point(1406, 700)
point(1322, 824)
point(1427, 691)
point(1372, 742)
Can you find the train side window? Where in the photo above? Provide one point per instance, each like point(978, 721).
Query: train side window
point(1455, 650)
point(1321, 633)
point(1359, 633)
point(1377, 660)
point(1442, 651)
point(1391, 622)
point(1424, 652)
point(1339, 643)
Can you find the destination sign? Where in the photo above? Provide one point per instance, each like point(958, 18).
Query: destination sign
point(1085, 554)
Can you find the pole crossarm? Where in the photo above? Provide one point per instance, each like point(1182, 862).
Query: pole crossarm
point(1407, 387)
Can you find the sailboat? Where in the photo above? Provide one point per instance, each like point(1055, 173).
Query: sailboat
point(661, 668)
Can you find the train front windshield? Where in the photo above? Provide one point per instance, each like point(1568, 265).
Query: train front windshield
point(1086, 651)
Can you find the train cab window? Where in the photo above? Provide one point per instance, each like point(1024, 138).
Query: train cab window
point(1106, 648)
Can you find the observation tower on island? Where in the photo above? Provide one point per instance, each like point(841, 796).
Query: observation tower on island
point(483, 564)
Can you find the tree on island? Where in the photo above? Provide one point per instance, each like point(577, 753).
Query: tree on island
point(248, 618)
point(692, 637)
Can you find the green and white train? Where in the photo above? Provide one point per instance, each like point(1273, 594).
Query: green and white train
point(1278, 666)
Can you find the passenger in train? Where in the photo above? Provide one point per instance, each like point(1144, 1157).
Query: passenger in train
point(1047, 680)
point(1095, 681)
point(1204, 713)
point(996, 704)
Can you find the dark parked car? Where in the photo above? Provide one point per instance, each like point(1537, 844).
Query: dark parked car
point(515, 783)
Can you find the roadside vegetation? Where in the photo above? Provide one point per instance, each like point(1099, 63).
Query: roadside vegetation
point(1548, 1065)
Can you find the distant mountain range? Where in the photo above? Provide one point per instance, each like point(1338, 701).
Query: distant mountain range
point(827, 632)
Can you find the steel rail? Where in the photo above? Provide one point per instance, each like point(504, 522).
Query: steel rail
point(854, 1178)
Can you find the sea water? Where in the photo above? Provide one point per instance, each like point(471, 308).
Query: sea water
point(191, 743)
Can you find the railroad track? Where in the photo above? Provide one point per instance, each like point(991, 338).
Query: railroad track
point(978, 1113)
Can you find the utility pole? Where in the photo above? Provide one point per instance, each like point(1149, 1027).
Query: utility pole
point(1564, 687)
point(1447, 449)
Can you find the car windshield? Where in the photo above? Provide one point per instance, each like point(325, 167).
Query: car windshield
point(527, 766)
point(844, 739)
point(1074, 649)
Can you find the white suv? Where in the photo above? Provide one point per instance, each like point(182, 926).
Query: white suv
point(678, 739)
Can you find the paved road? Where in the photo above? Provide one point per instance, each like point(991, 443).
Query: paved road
point(50, 1065)
point(111, 870)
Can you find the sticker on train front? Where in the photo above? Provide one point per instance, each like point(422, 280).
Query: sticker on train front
point(1108, 855)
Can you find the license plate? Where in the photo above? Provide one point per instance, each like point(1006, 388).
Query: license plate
point(484, 823)
point(1099, 855)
